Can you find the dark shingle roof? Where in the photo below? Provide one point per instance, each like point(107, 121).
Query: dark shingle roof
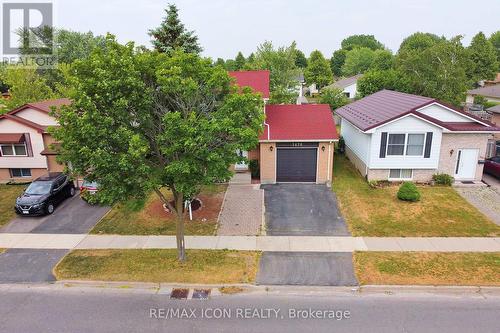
point(343, 83)
point(490, 91)
point(387, 105)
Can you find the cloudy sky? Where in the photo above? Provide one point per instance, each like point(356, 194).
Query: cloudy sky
point(225, 27)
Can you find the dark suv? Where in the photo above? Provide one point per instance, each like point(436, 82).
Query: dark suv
point(44, 193)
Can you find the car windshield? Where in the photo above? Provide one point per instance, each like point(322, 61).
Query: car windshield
point(87, 183)
point(38, 188)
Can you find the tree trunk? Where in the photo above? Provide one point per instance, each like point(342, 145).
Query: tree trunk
point(179, 204)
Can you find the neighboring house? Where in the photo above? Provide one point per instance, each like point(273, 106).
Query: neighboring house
point(496, 80)
point(495, 118)
point(27, 150)
point(396, 136)
point(349, 85)
point(491, 93)
point(297, 144)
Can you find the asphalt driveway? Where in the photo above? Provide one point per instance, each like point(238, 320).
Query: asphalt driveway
point(72, 216)
point(306, 268)
point(302, 210)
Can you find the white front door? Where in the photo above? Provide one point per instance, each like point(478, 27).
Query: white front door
point(243, 166)
point(465, 167)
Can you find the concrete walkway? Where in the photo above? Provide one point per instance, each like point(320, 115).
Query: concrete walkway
point(259, 243)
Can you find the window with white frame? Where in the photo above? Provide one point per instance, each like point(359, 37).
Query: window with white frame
point(17, 149)
point(400, 174)
point(415, 144)
point(406, 144)
point(396, 144)
point(20, 172)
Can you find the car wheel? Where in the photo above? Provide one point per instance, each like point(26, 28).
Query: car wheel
point(71, 191)
point(50, 208)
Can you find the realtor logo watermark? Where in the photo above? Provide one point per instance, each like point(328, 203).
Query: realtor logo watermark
point(27, 33)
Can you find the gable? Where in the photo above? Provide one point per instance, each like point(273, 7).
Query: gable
point(443, 114)
point(12, 126)
point(408, 123)
point(37, 116)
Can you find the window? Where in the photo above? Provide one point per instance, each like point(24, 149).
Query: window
point(400, 174)
point(347, 94)
point(20, 172)
point(13, 149)
point(406, 144)
point(415, 144)
point(396, 144)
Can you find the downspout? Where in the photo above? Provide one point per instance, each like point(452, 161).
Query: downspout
point(266, 124)
point(329, 182)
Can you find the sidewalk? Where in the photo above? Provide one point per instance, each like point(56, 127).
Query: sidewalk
point(258, 243)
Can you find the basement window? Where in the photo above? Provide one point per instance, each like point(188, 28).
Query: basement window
point(400, 174)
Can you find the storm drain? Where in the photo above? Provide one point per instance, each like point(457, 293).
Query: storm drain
point(201, 293)
point(179, 293)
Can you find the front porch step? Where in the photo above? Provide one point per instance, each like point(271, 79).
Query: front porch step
point(472, 183)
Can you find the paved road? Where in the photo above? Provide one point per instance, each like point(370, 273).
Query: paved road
point(302, 210)
point(101, 310)
point(307, 269)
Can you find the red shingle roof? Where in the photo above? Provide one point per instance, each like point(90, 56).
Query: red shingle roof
point(299, 123)
point(257, 80)
point(386, 105)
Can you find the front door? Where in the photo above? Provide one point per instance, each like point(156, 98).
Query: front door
point(465, 167)
point(242, 166)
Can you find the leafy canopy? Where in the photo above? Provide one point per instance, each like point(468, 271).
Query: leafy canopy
point(483, 59)
point(337, 61)
point(281, 64)
point(495, 40)
point(300, 59)
point(358, 61)
point(140, 121)
point(334, 97)
point(171, 34)
point(355, 41)
point(318, 70)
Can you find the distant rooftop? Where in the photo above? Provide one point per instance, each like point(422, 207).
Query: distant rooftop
point(257, 80)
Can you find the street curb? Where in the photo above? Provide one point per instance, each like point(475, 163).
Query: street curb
point(272, 290)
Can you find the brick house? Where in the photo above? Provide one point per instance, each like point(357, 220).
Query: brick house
point(297, 143)
point(27, 150)
point(396, 136)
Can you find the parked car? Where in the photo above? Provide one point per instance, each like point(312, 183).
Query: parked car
point(44, 194)
point(492, 166)
point(88, 189)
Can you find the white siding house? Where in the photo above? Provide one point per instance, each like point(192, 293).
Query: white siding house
point(397, 136)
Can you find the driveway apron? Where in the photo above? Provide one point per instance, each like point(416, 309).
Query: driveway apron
point(306, 268)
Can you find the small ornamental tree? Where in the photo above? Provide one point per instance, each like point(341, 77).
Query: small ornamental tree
point(143, 121)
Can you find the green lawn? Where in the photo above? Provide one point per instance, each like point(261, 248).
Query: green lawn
point(424, 268)
point(377, 212)
point(8, 195)
point(201, 266)
point(149, 218)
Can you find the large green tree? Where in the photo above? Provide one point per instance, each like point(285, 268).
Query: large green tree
point(337, 61)
point(483, 59)
point(281, 64)
point(419, 41)
point(382, 60)
point(300, 59)
point(25, 86)
point(437, 70)
point(147, 121)
point(495, 40)
point(171, 34)
point(318, 70)
point(376, 80)
point(358, 61)
point(355, 41)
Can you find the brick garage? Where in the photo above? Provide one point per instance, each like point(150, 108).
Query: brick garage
point(297, 144)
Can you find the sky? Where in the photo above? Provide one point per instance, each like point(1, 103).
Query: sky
point(225, 27)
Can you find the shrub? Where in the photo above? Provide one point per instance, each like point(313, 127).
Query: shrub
point(408, 192)
point(341, 145)
point(254, 168)
point(443, 179)
point(373, 183)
